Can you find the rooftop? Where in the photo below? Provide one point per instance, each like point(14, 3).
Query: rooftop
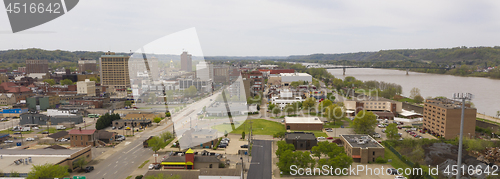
point(81, 131)
point(361, 141)
point(446, 103)
point(302, 120)
point(295, 74)
point(300, 135)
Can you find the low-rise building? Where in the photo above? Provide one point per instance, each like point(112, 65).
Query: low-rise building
point(7, 99)
point(86, 87)
point(190, 161)
point(16, 112)
point(41, 119)
point(301, 140)
point(362, 148)
point(54, 155)
point(83, 137)
point(132, 123)
point(377, 104)
point(203, 138)
point(303, 123)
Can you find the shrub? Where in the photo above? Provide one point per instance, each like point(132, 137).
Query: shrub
point(138, 177)
point(380, 160)
point(69, 170)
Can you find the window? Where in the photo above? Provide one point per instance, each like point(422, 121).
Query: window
point(373, 152)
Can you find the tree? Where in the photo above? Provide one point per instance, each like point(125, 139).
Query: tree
point(93, 79)
point(392, 131)
point(418, 99)
point(66, 82)
point(50, 81)
point(128, 103)
point(364, 122)
point(166, 136)
point(280, 135)
point(334, 113)
point(48, 171)
point(167, 114)
point(283, 146)
point(276, 111)
point(271, 106)
point(157, 120)
point(161, 176)
point(309, 103)
point(290, 108)
point(414, 92)
point(191, 91)
point(243, 135)
point(416, 175)
point(324, 104)
point(498, 114)
point(156, 143)
point(81, 162)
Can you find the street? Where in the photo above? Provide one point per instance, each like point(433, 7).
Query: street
point(123, 162)
point(261, 165)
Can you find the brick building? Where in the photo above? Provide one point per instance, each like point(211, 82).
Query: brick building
point(37, 66)
point(83, 137)
point(303, 123)
point(442, 118)
point(362, 148)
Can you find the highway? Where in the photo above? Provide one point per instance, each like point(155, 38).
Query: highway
point(122, 163)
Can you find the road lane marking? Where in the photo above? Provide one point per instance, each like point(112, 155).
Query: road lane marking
point(133, 148)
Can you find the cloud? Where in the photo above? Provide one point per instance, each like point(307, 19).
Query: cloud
point(269, 27)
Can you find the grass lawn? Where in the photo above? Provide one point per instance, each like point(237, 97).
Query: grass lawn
point(396, 162)
point(316, 133)
point(52, 130)
point(488, 121)
point(6, 131)
point(407, 100)
point(260, 127)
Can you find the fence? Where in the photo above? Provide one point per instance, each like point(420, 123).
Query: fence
point(408, 162)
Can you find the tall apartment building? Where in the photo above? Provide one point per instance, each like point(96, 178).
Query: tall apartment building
point(37, 66)
point(205, 71)
point(186, 62)
point(442, 117)
point(87, 65)
point(86, 87)
point(114, 70)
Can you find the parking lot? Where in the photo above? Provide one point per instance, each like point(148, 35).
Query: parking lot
point(405, 134)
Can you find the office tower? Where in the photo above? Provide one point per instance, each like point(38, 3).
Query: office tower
point(205, 71)
point(114, 70)
point(186, 62)
point(37, 66)
point(85, 65)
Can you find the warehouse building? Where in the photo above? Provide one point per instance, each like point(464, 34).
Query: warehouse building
point(301, 140)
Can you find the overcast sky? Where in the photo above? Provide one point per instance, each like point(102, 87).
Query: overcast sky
point(266, 28)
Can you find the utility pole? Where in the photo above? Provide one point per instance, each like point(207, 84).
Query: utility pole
point(463, 97)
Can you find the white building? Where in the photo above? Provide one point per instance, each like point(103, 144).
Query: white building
point(86, 87)
point(286, 97)
point(287, 78)
point(205, 71)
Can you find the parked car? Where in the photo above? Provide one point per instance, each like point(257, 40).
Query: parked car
point(157, 166)
point(328, 130)
point(392, 171)
point(222, 146)
point(63, 140)
point(17, 132)
point(244, 146)
point(45, 132)
point(321, 138)
point(151, 166)
point(89, 169)
point(30, 139)
point(383, 130)
point(35, 128)
point(329, 138)
point(8, 141)
point(399, 177)
point(113, 128)
point(376, 135)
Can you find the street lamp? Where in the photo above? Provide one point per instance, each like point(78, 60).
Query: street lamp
point(463, 97)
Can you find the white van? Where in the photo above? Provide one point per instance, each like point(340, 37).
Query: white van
point(60, 127)
point(25, 129)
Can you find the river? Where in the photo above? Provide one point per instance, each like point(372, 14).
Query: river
point(485, 90)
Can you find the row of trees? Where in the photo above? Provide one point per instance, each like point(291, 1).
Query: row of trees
point(106, 120)
point(159, 142)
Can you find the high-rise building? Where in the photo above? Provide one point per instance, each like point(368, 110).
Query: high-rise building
point(37, 66)
point(186, 62)
point(205, 71)
point(221, 74)
point(114, 70)
point(442, 117)
point(85, 65)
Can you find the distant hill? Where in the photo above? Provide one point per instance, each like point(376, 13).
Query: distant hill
point(471, 55)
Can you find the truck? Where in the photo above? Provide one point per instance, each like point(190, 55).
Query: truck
point(25, 129)
point(145, 143)
point(60, 127)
